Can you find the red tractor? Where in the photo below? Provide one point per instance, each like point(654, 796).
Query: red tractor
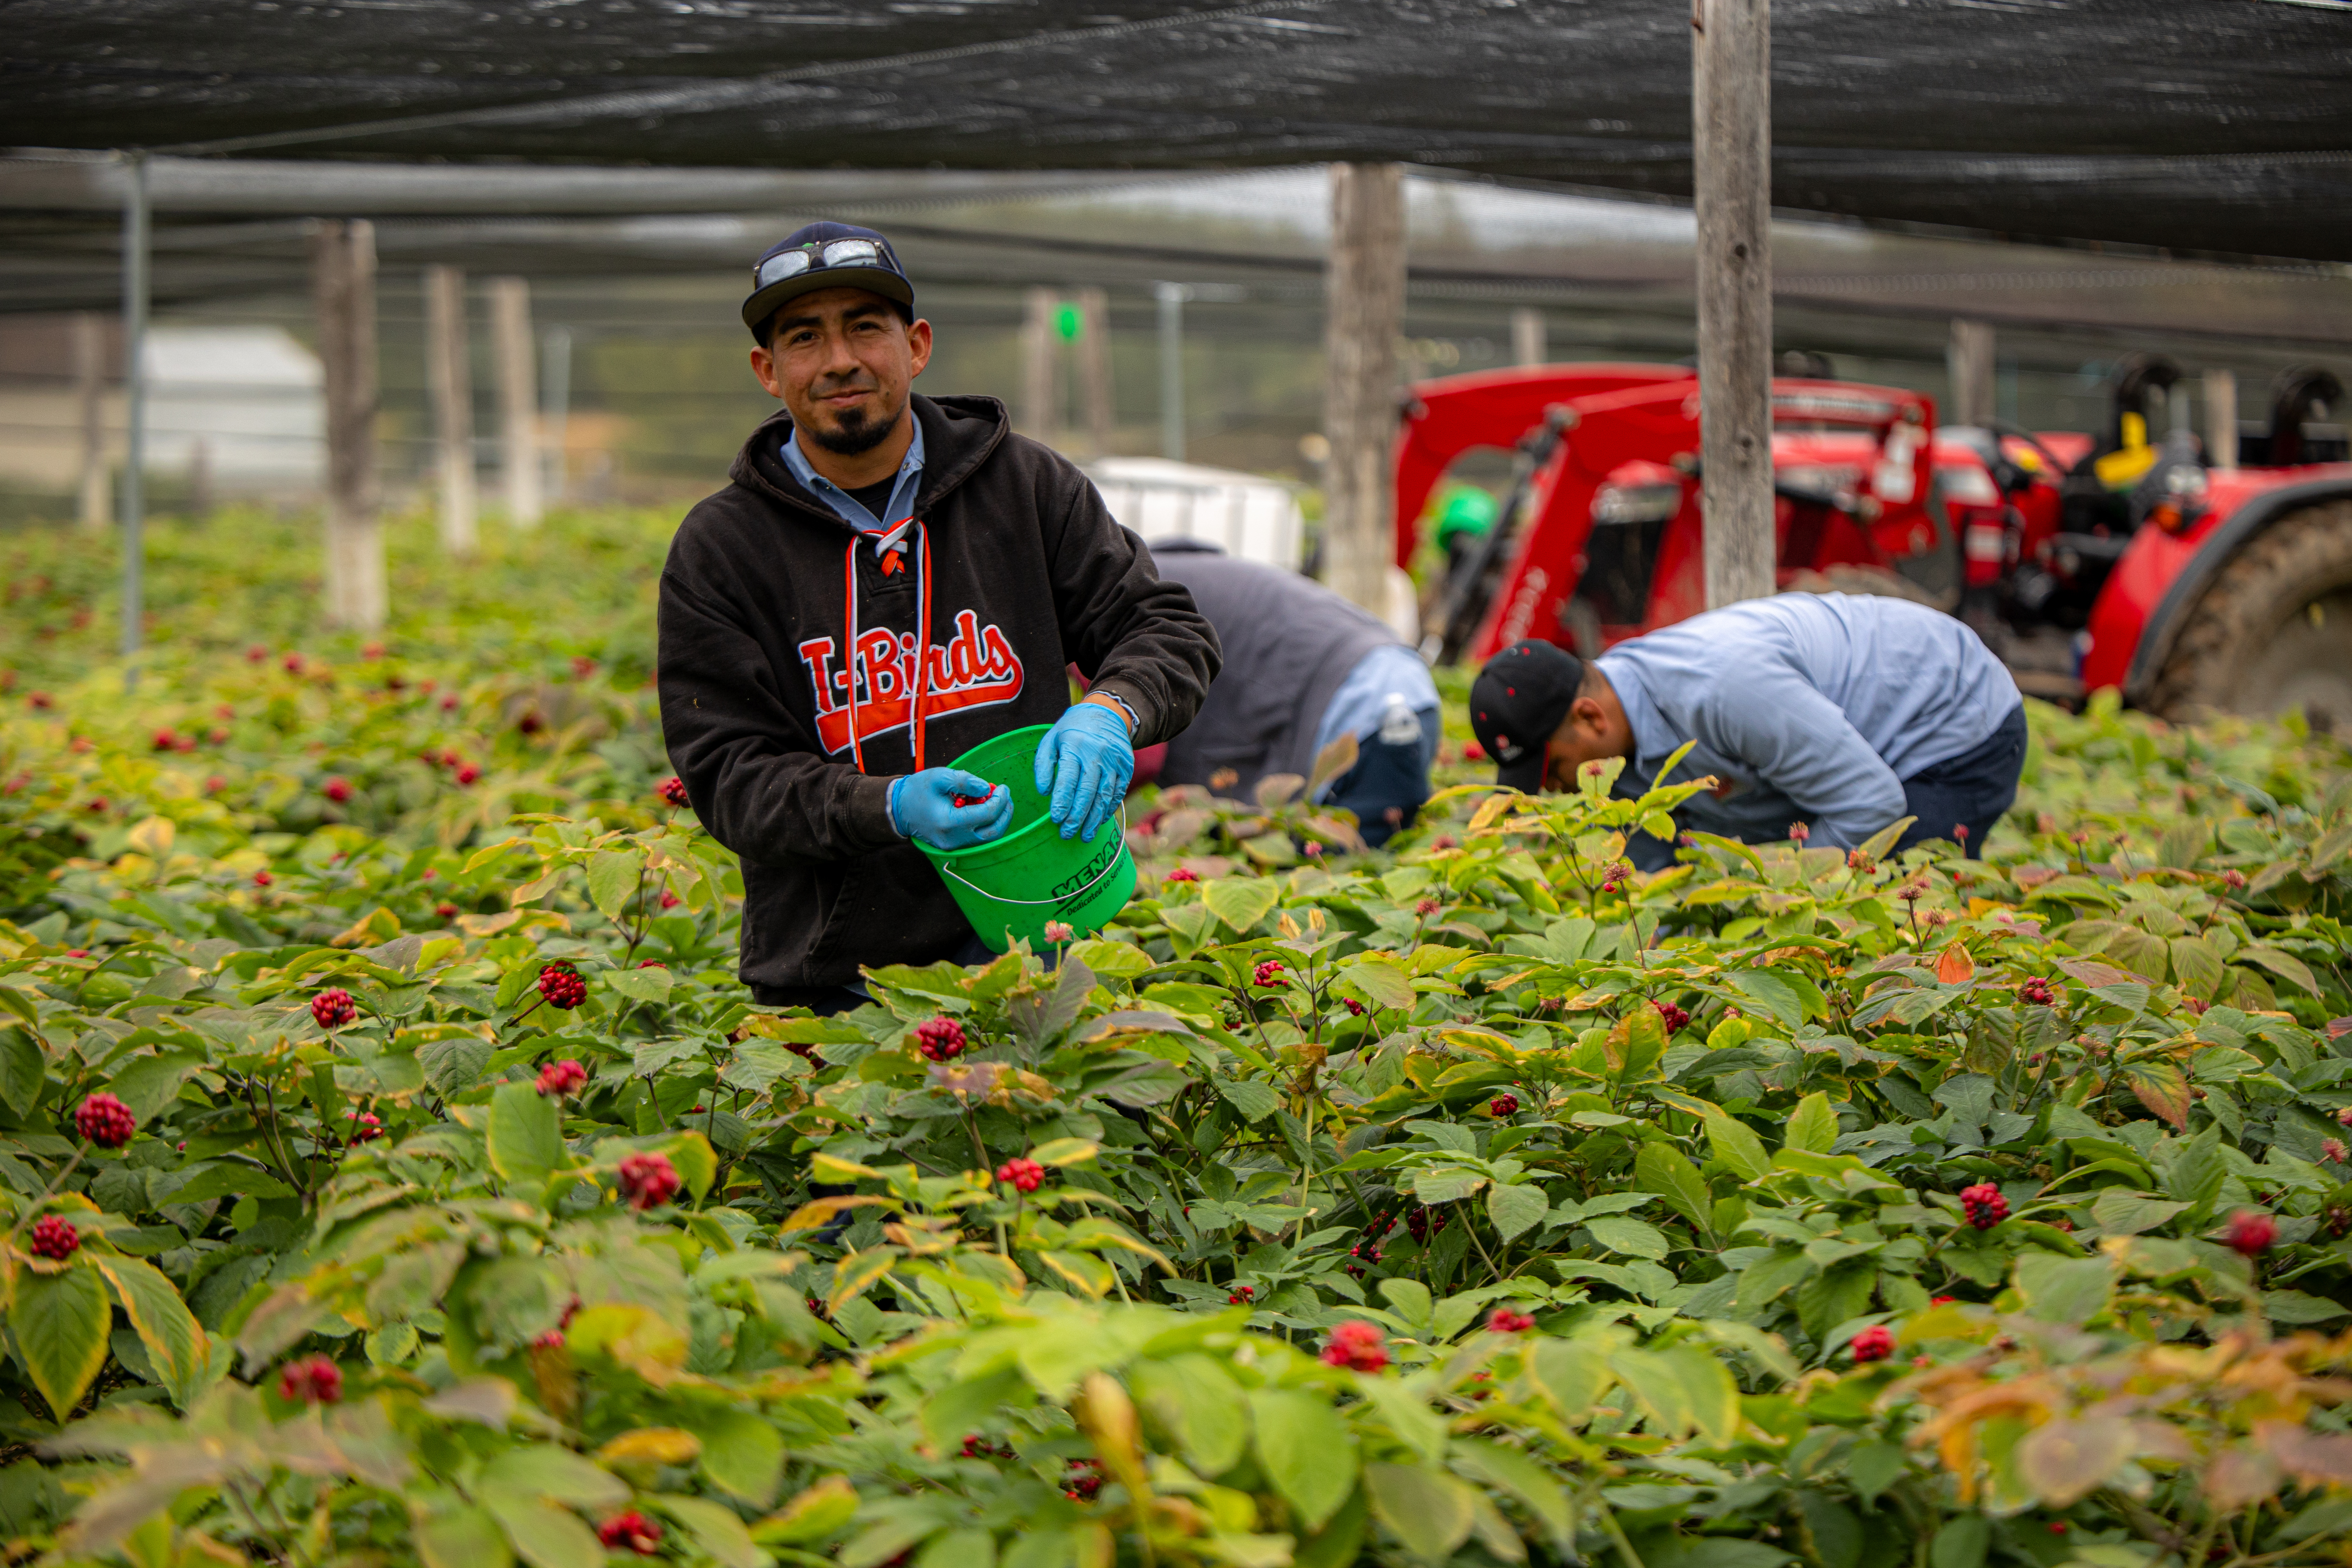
point(2086, 561)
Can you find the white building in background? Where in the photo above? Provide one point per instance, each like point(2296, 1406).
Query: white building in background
point(1246, 515)
point(251, 395)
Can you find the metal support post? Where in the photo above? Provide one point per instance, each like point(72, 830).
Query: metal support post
point(1364, 316)
point(518, 397)
point(137, 236)
point(1041, 383)
point(2221, 418)
point(555, 393)
point(1527, 346)
point(1171, 298)
point(449, 375)
point(1094, 369)
point(1731, 105)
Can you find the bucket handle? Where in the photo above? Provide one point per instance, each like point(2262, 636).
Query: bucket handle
point(947, 870)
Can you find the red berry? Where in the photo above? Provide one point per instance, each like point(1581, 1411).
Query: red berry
point(449, 703)
point(54, 1237)
point(647, 1181)
point(339, 790)
point(1425, 908)
point(561, 1077)
point(583, 666)
point(2036, 992)
point(1983, 1206)
point(365, 1125)
point(1025, 1174)
point(1269, 975)
point(560, 985)
point(1241, 1296)
point(105, 1121)
point(673, 790)
point(1503, 1105)
point(262, 879)
point(1355, 1008)
point(467, 772)
point(1181, 874)
point(2250, 1233)
point(1875, 1342)
point(1503, 1320)
point(1856, 861)
point(334, 1009)
point(447, 910)
point(940, 1039)
point(2233, 880)
point(632, 1530)
point(293, 662)
point(1357, 1345)
point(1672, 1016)
point(313, 1380)
point(1085, 1482)
point(670, 900)
point(1471, 752)
point(165, 741)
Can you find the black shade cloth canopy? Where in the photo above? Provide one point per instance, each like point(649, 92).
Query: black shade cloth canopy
point(2223, 126)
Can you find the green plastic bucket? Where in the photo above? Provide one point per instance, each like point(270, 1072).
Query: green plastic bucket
point(1010, 886)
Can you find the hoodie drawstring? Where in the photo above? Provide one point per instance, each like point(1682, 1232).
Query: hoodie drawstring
point(922, 636)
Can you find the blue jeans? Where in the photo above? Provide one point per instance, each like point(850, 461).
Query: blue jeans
point(1969, 790)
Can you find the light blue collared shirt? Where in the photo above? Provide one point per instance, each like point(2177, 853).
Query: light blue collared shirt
point(1814, 706)
point(902, 493)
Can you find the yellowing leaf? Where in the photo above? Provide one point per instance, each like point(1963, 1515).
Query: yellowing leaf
point(652, 1445)
point(1956, 966)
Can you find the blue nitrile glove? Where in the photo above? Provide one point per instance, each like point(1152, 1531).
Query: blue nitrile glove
point(923, 806)
point(1085, 761)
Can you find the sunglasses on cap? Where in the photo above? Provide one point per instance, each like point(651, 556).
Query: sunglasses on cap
point(815, 257)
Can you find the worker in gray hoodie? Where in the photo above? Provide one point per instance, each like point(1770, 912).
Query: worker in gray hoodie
point(1302, 668)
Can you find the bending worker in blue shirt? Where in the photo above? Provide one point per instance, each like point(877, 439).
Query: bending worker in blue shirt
point(1841, 712)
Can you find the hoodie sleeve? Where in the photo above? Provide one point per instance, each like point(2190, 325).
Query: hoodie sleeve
point(1127, 630)
point(757, 778)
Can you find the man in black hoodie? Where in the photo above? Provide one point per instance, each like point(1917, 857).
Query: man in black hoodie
point(887, 580)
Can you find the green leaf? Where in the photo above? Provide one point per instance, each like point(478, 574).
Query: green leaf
point(2196, 965)
point(1254, 1099)
point(1382, 982)
point(1195, 1400)
point(640, 985)
point(2161, 1087)
point(2064, 1290)
point(148, 1084)
point(455, 1064)
point(1241, 901)
point(2284, 965)
point(613, 878)
point(2118, 1211)
point(1632, 1238)
point(526, 1136)
point(176, 1346)
point(1537, 1490)
point(1961, 1544)
point(742, 1454)
point(1778, 996)
point(1410, 1297)
point(2295, 1307)
point(61, 1323)
point(1875, 846)
point(1572, 1373)
point(1430, 1510)
point(544, 1535)
point(1737, 1147)
point(1518, 1209)
point(1306, 1451)
point(558, 1475)
point(719, 1531)
point(23, 1069)
point(1662, 1169)
point(450, 1533)
point(1814, 1126)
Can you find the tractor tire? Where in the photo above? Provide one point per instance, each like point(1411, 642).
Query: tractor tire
point(2273, 631)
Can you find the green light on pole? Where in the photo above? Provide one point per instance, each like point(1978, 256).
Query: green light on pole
point(1069, 322)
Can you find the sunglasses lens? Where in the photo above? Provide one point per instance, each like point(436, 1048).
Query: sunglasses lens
point(776, 268)
point(852, 253)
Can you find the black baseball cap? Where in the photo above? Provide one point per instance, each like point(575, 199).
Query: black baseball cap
point(827, 256)
point(1517, 703)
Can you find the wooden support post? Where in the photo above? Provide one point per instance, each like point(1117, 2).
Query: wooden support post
point(1364, 316)
point(1093, 368)
point(90, 388)
point(1041, 381)
point(1731, 112)
point(555, 386)
point(1970, 362)
point(138, 242)
point(2221, 418)
point(449, 380)
point(343, 268)
point(1171, 298)
point(1527, 346)
point(510, 347)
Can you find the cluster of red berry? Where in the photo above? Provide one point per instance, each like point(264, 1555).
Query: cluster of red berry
point(167, 741)
point(561, 1077)
point(1181, 874)
point(1875, 1342)
point(633, 1531)
point(334, 1009)
point(1798, 832)
point(1614, 874)
point(1503, 1105)
point(313, 1380)
point(366, 1125)
point(1025, 1174)
point(976, 1447)
point(105, 1121)
point(647, 1181)
point(1241, 1296)
point(2037, 992)
point(339, 790)
point(672, 791)
point(2250, 1233)
point(1084, 1480)
point(560, 985)
point(1982, 1206)
point(1503, 1321)
point(1426, 907)
point(54, 1237)
point(1424, 1222)
point(940, 1039)
point(1357, 1346)
point(1355, 1008)
point(1672, 1016)
point(1269, 975)
point(1855, 860)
